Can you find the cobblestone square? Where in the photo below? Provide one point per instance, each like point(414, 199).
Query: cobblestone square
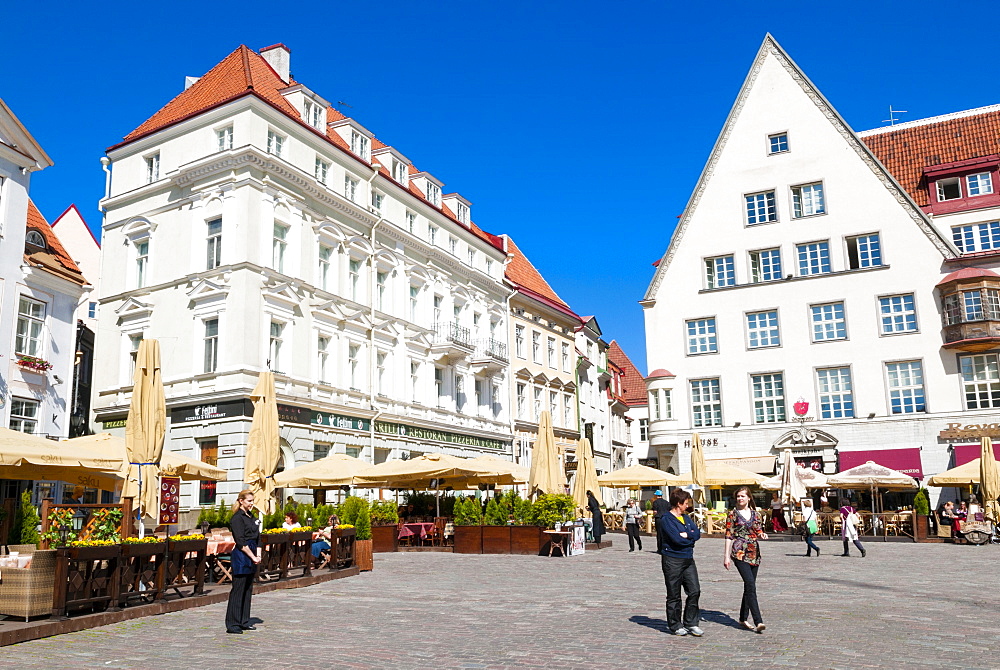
point(904, 606)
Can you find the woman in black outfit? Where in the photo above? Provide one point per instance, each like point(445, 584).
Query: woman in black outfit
point(598, 517)
point(246, 556)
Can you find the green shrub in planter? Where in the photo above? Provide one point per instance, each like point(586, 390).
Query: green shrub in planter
point(26, 520)
point(522, 512)
point(550, 509)
point(467, 512)
point(384, 513)
point(494, 514)
point(649, 504)
point(922, 503)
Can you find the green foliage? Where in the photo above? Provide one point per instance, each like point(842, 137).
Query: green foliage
point(203, 515)
point(26, 521)
point(448, 505)
point(522, 512)
point(60, 530)
point(363, 521)
point(384, 513)
point(648, 504)
point(467, 512)
point(922, 502)
point(494, 514)
point(351, 509)
point(107, 525)
point(549, 509)
point(424, 504)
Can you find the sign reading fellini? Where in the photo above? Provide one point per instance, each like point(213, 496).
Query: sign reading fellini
point(976, 431)
point(328, 420)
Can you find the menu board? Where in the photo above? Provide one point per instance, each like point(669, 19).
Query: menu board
point(170, 496)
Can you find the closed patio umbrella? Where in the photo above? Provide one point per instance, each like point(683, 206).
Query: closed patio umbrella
point(698, 470)
point(330, 472)
point(171, 464)
point(989, 481)
point(263, 444)
point(637, 476)
point(547, 475)
point(25, 456)
point(145, 429)
point(586, 474)
point(792, 488)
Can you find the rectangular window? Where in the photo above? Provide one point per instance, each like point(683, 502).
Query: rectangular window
point(414, 381)
point(519, 341)
point(949, 189)
point(463, 212)
point(906, 387)
point(275, 143)
point(459, 393)
point(92, 310)
point(453, 246)
point(214, 245)
point(380, 280)
point(538, 404)
point(814, 258)
point(209, 454)
point(643, 430)
point(279, 244)
point(23, 415)
point(414, 302)
point(224, 138)
point(836, 395)
point(377, 199)
point(720, 271)
point(274, 347)
point(380, 379)
point(211, 345)
point(777, 143)
point(350, 188)
point(768, 398)
point(152, 168)
point(762, 329)
point(828, 322)
point(565, 357)
point(433, 193)
point(321, 170)
point(976, 237)
point(134, 341)
point(472, 257)
point(438, 300)
point(553, 405)
point(323, 269)
point(765, 265)
point(568, 411)
point(411, 222)
point(30, 327)
point(352, 365)
point(322, 356)
point(141, 263)
point(979, 184)
point(536, 346)
point(552, 353)
point(706, 403)
point(897, 314)
point(521, 400)
point(360, 145)
point(807, 200)
point(354, 275)
point(980, 381)
point(864, 251)
point(761, 208)
point(701, 337)
point(667, 403)
point(400, 171)
point(432, 231)
point(439, 384)
point(314, 114)
point(654, 404)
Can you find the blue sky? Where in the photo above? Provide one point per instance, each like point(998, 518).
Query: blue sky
point(579, 128)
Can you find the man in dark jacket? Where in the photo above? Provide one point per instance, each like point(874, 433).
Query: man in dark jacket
point(660, 507)
point(680, 532)
point(598, 517)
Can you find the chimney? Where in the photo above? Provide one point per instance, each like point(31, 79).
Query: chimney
point(278, 57)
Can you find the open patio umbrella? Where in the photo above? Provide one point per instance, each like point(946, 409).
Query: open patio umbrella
point(872, 475)
point(811, 479)
point(792, 488)
point(586, 474)
point(989, 481)
point(637, 476)
point(25, 456)
point(718, 473)
point(171, 464)
point(966, 474)
point(698, 479)
point(331, 472)
point(145, 429)
point(263, 444)
point(417, 472)
point(546, 475)
point(500, 472)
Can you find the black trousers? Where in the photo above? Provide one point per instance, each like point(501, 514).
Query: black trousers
point(681, 573)
point(238, 611)
point(857, 543)
point(659, 536)
point(633, 536)
point(749, 605)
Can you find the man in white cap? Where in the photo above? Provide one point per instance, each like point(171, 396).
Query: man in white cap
point(660, 507)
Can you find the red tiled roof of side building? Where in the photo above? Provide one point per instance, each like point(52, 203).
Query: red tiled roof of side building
point(968, 273)
point(55, 259)
point(521, 272)
point(633, 385)
point(907, 151)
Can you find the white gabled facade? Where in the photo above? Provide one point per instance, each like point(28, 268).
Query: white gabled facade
point(244, 238)
point(849, 323)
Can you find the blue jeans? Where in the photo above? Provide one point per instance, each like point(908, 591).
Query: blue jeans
point(811, 544)
point(318, 547)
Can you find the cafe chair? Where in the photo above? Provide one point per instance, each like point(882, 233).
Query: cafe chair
point(403, 539)
point(27, 592)
point(436, 534)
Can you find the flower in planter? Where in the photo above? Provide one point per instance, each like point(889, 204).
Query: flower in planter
point(342, 526)
point(149, 539)
point(92, 543)
point(183, 538)
point(273, 531)
point(33, 363)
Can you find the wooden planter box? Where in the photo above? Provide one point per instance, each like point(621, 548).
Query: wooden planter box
point(85, 577)
point(496, 539)
point(363, 557)
point(921, 527)
point(185, 566)
point(344, 550)
point(526, 540)
point(141, 565)
point(273, 556)
point(468, 540)
point(385, 538)
point(300, 552)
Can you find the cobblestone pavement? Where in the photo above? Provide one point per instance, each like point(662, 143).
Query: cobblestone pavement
point(904, 606)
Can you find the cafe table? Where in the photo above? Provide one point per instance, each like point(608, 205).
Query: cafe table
point(420, 530)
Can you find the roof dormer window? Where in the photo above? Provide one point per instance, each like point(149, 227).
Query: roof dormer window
point(361, 145)
point(313, 113)
point(35, 239)
point(400, 171)
point(463, 212)
point(949, 189)
point(433, 193)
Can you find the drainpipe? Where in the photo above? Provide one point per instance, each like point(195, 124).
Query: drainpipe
point(506, 302)
point(105, 164)
point(372, 357)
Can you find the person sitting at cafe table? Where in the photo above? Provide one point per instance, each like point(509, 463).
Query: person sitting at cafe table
point(291, 521)
point(947, 513)
point(824, 505)
point(325, 536)
point(406, 513)
point(962, 513)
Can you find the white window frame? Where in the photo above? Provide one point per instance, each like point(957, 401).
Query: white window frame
point(324, 264)
point(29, 339)
point(275, 342)
point(550, 345)
point(411, 222)
point(983, 184)
point(213, 244)
point(520, 389)
point(777, 143)
point(20, 417)
point(153, 168)
point(275, 143)
point(760, 208)
point(706, 402)
point(828, 321)
point(765, 265)
point(462, 212)
point(816, 254)
point(905, 389)
point(279, 246)
point(322, 356)
point(808, 200)
point(224, 138)
point(973, 237)
point(762, 334)
point(720, 271)
point(141, 250)
point(980, 379)
point(361, 145)
point(702, 336)
point(354, 277)
point(894, 315)
point(519, 340)
point(433, 193)
point(377, 200)
point(400, 171)
point(835, 392)
point(767, 393)
point(941, 185)
point(321, 170)
point(210, 347)
point(864, 251)
point(536, 347)
point(351, 188)
point(565, 357)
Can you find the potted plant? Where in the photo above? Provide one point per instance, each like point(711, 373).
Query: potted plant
point(33, 363)
point(550, 509)
point(178, 561)
point(525, 538)
point(468, 526)
point(385, 517)
point(363, 537)
point(496, 532)
point(921, 515)
point(24, 529)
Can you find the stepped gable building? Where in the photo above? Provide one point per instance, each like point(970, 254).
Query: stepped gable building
point(828, 291)
point(635, 437)
point(250, 225)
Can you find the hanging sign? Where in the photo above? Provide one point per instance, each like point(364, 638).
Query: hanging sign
point(170, 495)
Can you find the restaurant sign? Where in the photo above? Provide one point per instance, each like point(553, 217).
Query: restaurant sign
point(114, 423)
point(975, 431)
point(328, 420)
point(215, 410)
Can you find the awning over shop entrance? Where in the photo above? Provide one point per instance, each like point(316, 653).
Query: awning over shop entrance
point(968, 452)
point(761, 465)
point(906, 461)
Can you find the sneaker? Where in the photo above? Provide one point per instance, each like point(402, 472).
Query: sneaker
point(863, 553)
point(681, 631)
point(697, 632)
point(760, 628)
point(749, 626)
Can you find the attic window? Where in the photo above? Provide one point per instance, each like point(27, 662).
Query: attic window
point(35, 239)
point(312, 113)
point(949, 189)
point(463, 212)
point(433, 193)
point(361, 145)
point(400, 171)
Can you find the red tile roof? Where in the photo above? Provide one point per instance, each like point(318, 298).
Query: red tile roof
point(633, 386)
point(523, 274)
point(968, 273)
point(660, 372)
point(920, 144)
point(54, 259)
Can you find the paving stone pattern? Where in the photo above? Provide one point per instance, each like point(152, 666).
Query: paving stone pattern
point(904, 606)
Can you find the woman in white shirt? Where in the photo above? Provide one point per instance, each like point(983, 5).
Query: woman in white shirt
point(812, 526)
point(291, 521)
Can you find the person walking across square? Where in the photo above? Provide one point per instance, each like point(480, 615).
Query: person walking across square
point(680, 532)
point(632, 516)
point(744, 527)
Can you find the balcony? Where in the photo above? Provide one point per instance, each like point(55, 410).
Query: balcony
point(490, 356)
point(971, 310)
point(451, 341)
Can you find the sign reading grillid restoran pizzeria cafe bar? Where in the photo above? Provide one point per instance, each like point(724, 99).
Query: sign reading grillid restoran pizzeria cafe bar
point(328, 420)
point(970, 431)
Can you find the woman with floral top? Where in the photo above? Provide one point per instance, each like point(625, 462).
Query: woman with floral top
point(743, 530)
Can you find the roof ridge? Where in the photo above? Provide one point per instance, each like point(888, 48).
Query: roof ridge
point(930, 120)
point(247, 74)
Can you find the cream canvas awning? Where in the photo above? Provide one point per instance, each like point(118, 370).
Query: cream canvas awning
point(25, 456)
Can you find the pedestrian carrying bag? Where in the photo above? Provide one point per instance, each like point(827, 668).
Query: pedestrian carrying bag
point(811, 525)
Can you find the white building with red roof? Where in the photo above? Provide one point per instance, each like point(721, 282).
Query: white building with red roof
point(852, 272)
point(250, 225)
